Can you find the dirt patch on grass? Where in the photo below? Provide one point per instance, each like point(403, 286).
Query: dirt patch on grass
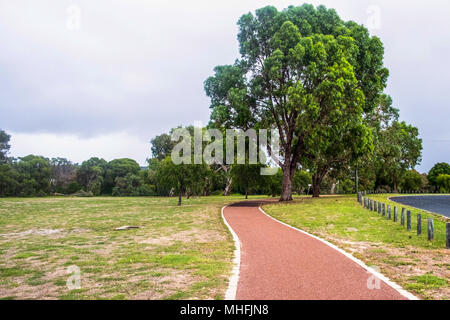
point(403, 265)
point(36, 249)
point(40, 232)
point(166, 285)
point(193, 235)
point(46, 291)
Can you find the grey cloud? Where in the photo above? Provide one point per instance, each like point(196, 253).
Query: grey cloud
point(139, 66)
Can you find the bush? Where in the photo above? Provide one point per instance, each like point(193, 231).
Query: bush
point(217, 193)
point(73, 187)
point(347, 186)
point(132, 185)
point(443, 182)
point(412, 180)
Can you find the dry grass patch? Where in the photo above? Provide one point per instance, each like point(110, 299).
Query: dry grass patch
point(179, 253)
point(416, 264)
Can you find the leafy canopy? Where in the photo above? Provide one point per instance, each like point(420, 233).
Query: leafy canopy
point(307, 73)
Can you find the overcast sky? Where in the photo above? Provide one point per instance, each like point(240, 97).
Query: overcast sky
point(86, 78)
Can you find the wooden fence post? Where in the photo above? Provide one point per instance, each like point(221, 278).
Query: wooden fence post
point(379, 207)
point(419, 224)
point(389, 212)
point(403, 217)
point(375, 205)
point(395, 214)
point(430, 229)
point(408, 220)
point(448, 235)
point(384, 210)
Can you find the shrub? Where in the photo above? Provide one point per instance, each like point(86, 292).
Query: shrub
point(443, 182)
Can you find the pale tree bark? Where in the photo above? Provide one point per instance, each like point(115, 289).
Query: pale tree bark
point(228, 187)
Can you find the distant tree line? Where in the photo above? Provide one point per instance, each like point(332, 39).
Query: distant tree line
point(317, 79)
point(38, 176)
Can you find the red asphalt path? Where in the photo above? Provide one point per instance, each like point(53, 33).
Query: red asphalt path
point(280, 263)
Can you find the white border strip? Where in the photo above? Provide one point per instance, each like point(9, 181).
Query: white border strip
point(400, 290)
point(234, 278)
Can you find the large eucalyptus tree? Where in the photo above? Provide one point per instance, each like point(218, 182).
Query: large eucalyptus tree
point(308, 74)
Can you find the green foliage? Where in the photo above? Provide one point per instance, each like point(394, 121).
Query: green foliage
point(400, 149)
point(439, 168)
point(347, 186)
point(301, 181)
point(9, 180)
point(411, 181)
point(4, 146)
point(307, 73)
point(118, 168)
point(246, 178)
point(443, 182)
point(34, 174)
point(72, 188)
point(397, 149)
point(274, 183)
point(63, 175)
point(91, 175)
point(39, 176)
point(131, 185)
point(162, 146)
point(182, 179)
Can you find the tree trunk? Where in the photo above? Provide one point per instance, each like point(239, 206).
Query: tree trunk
point(228, 187)
point(333, 187)
point(179, 197)
point(395, 186)
point(286, 191)
point(246, 193)
point(206, 187)
point(316, 185)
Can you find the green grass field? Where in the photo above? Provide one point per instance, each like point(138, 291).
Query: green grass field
point(412, 261)
point(186, 252)
point(179, 253)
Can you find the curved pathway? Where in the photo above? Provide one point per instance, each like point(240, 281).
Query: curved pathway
point(281, 263)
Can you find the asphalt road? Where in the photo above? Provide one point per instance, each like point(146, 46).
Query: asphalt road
point(436, 204)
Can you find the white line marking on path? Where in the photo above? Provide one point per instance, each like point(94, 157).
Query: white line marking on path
point(234, 278)
point(399, 289)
